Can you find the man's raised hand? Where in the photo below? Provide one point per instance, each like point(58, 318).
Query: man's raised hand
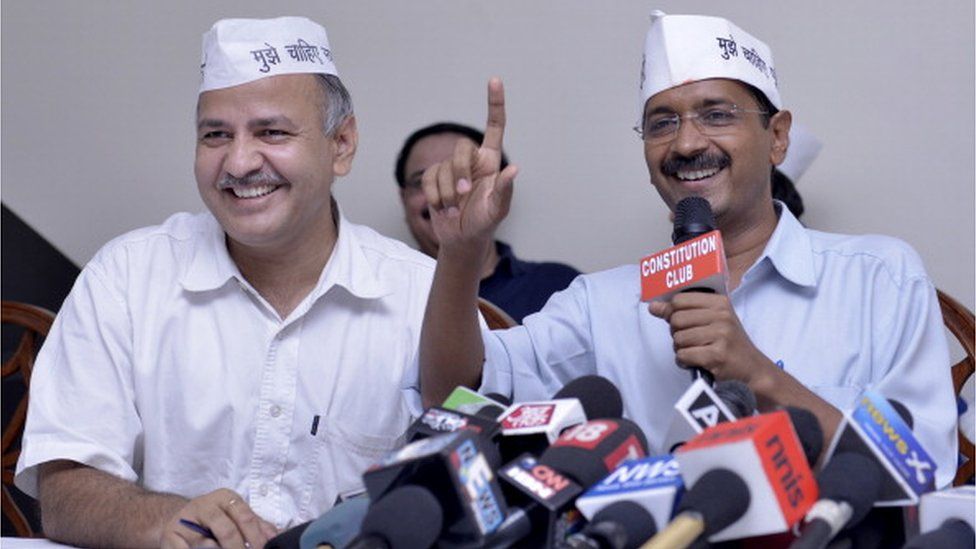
point(468, 194)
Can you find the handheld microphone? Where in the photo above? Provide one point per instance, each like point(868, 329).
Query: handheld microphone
point(653, 482)
point(849, 484)
point(766, 453)
point(454, 468)
point(696, 262)
point(620, 525)
point(715, 501)
point(409, 517)
point(876, 430)
point(702, 406)
point(338, 526)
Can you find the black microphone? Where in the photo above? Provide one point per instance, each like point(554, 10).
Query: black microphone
point(692, 218)
point(454, 468)
point(409, 517)
point(546, 488)
point(737, 396)
point(808, 431)
point(598, 395)
point(849, 485)
point(881, 430)
point(702, 406)
point(952, 533)
point(716, 500)
point(620, 525)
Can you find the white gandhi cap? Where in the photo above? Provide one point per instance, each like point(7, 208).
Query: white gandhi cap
point(238, 51)
point(680, 49)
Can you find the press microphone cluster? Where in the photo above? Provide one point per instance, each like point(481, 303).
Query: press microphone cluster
point(583, 481)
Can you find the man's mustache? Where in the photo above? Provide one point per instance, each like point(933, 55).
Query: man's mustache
point(704, 161)
point(256, 178)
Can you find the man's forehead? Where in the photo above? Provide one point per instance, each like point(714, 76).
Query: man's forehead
point(701, 92)
point(275, 94)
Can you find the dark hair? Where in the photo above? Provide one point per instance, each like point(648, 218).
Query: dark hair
point(785, 190)
point(435, 129)
point(764, 103)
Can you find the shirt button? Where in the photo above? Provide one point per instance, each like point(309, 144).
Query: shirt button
point(275, 410)
point(263, 490)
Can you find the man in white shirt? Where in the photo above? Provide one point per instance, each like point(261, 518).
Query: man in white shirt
point(812, 319)
point(223, 375)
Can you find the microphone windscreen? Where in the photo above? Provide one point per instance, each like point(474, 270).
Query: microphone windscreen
point(906, 416)
point(808, 430)
point(721, 497)
point(588, 452)
point(636, 523)
point(598, 395)
point(692, 217)
point(407, 517)
point(499, 398)
point(952, 533)
point(737, 396)
point(489, 411)
point(853, 478)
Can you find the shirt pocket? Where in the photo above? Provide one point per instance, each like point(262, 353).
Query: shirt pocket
point(349, 452)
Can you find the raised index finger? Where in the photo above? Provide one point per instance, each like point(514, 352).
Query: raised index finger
point(495, 128)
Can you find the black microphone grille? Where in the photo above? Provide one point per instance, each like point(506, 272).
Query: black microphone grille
point(902, 411)
point(408, 517)
point(598, 395)
point(636, 524)
point(721, 496)
point(853, 478)
point(808, 430)
point(737, 396)
point(692, 217)
point(499, 398)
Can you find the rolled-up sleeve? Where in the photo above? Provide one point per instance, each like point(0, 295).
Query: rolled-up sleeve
point(81, 394)
point(916, 373)
point(550, 348)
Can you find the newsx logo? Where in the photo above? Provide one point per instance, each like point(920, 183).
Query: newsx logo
point(879, 422)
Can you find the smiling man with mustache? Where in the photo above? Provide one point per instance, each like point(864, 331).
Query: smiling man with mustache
point(812, 319)
point(228, 373)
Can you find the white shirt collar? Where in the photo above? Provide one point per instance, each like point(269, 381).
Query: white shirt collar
point(789, 249)
point(211, 266)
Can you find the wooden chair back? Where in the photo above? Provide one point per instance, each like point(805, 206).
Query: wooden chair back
point(496, 318)
point(961, 324)
point(33, 324)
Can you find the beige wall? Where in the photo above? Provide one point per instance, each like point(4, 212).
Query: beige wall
point(98, 98)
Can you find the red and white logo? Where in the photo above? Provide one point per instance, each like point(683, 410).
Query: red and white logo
point(630, 449)
point(587, 435)
point(529, 415)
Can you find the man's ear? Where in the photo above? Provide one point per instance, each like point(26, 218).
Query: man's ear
point(779, 125)
point(346, 140)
